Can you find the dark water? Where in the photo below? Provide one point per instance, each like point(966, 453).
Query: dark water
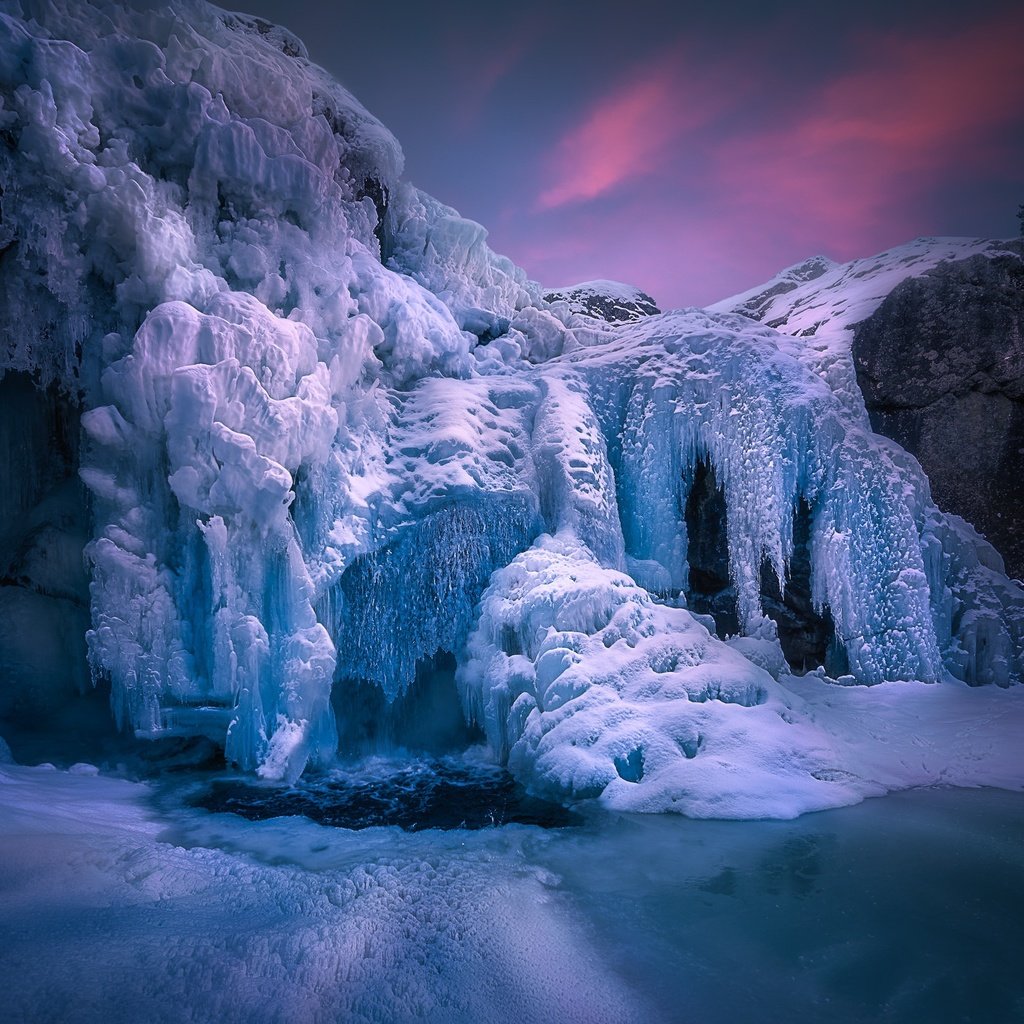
point(441, 794)
point(907, 909)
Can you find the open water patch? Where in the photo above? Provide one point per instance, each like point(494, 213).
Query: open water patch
point(445, 794)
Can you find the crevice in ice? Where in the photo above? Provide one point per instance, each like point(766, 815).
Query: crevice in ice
point(377, 192)
point(806, 633)
point(710, 590)
point(691, 745)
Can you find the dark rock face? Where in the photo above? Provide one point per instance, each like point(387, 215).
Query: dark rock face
point(941, 367)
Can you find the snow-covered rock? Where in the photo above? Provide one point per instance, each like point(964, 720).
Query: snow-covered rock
point(927, 339)
point(330, 437)
point(819, 302)
point(941, 366)
point(606, 300)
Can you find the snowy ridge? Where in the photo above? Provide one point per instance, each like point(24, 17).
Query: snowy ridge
point(818, 302)
point(329, 435)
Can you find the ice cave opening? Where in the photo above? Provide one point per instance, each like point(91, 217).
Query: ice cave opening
point(426, 718)
point(710, 591)
point(409, 760)
point(44, 525)
point(807, 634)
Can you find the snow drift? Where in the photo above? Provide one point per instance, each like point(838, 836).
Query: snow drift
point(328, 435)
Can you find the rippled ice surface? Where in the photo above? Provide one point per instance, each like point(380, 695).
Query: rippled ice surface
point(115, 907)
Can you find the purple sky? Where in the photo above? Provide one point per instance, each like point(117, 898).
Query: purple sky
point(691, 149)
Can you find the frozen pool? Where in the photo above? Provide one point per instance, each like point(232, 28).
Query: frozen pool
point(117, 906)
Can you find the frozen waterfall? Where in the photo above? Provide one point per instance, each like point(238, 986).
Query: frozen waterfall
point(327, 437)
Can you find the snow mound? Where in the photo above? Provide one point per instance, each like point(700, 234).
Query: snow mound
point(590, 688)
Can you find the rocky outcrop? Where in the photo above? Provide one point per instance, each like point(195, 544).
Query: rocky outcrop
point(606, 300)
point(941, 367)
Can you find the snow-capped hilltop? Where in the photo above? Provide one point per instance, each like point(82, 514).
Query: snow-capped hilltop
point(327, 455)
point(756, 302)
point(822, 310)
point(828, 297)
point(606, 300)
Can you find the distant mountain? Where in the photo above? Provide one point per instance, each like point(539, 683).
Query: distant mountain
point(606, 300)
point(758, 302)
point(931, 334)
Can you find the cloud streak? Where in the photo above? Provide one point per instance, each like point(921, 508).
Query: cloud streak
point(479, 80)
point(625, 135)
point(865, 151)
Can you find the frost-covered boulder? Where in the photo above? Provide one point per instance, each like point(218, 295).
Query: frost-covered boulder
point(941, 367)
point(927, 338)
point(818, 303)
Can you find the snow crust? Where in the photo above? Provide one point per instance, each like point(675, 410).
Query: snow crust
point(328, 434)
point(205, 918)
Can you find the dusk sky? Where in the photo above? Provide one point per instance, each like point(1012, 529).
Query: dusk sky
point(691, 149)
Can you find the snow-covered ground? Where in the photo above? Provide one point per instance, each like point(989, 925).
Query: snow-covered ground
point(117, 909)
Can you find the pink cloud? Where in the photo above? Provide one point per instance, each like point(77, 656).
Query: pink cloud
point(858, 157)
point(626, 134)
point(692, 181)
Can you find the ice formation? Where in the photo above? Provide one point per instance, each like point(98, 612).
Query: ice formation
point(327, 435)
